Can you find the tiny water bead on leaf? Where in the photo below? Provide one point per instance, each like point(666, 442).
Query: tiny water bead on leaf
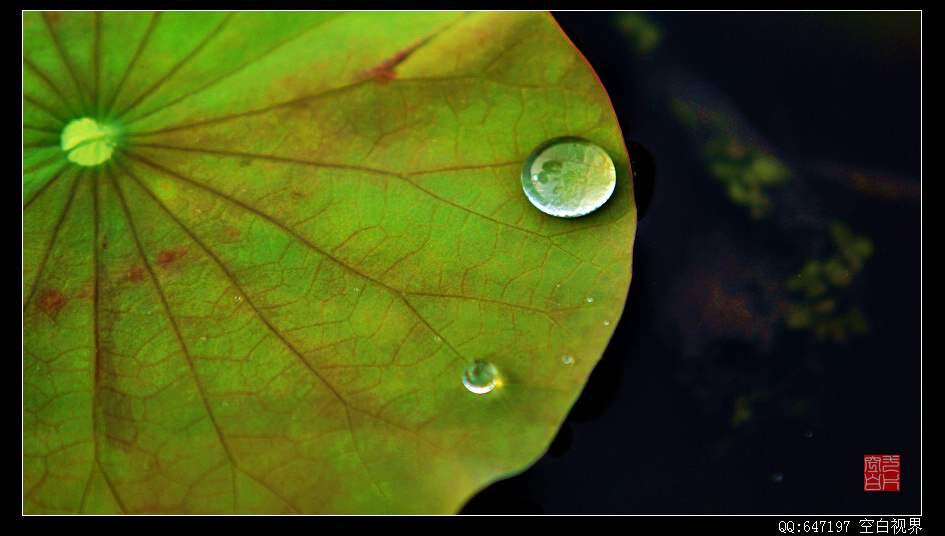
point(87, 142)
point(480, 377)
point(568, 177)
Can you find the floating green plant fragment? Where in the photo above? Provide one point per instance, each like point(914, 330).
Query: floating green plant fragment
point(746, 172)
point(853, 250)
point(645, 34)
point(822, 282)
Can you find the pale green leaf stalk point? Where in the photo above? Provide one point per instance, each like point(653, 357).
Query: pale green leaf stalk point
point(87, 142)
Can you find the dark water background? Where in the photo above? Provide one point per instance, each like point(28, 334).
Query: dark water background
point(705, 402)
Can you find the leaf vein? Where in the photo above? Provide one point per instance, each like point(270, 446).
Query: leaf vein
point(66, 61)
point(229, 275)
point(176, 67)
point(229, 73)
point(134, 59)
point(55, 235)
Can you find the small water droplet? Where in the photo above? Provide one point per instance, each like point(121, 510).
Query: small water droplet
point(808, 434)
point(606, 323)
point(203, 339)
point(590, 300)
point(237, 298)
point(568, 177)
point(480, 377)
point(436, 338)
point(567, 360)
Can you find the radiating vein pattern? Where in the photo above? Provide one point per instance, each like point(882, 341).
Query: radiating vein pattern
point(264, 300)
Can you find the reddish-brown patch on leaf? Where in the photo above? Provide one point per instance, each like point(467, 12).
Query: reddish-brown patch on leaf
point(85, 290)
point(233, 233)
point(168, 257)
point(387, 70)
point(54, 17)
point(136, 273)
point(51, 302)
point(381, 74)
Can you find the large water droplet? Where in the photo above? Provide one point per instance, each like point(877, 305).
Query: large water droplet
point(568, 177)
point(480, 377)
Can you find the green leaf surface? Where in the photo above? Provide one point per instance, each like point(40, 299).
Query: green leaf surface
point(265, 299)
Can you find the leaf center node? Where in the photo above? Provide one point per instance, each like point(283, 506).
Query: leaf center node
point(87, 142)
